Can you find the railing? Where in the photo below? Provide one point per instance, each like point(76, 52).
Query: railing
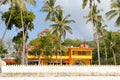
point(82, 57)
point(61, 69)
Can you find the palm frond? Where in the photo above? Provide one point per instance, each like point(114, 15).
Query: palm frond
point(54, 26)
point(109, 13)
point(33, 2)
point(60, 15)
point(48, 16)
point(44, 10)
point(69, 21)
point(98, 18)
point(68, 28)
point(112, 16)
point(84, 3)
point(20, 4)
point(58, 7)
point(88, 20)
point(98, 1)
point(52, 2)
point(117, 23)
point(55, 32)
point(66, 17)
point(114, 5)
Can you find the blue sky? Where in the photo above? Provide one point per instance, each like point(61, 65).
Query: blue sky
point(81, 30)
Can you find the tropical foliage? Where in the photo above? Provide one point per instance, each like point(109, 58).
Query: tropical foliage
point(60, 25)
point(72, 42)
point(47, 45)
point(106, 48)
point(50, 8)
point(28, 18)
point(94, 17)
point(115, 6)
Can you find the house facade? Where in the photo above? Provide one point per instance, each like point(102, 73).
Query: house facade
point(81, 55)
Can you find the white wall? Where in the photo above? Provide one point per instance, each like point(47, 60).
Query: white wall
point(61, 69)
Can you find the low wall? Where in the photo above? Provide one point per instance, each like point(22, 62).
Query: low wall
point(78, 70)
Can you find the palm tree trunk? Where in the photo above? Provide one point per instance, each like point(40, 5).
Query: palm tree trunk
point(50, 60)
point(57, 58)
point(23, 49)
point(60, 54)
point(39, 59)
point(98, 49)
point(39, 62)
point(114, 57)
point(7, 24)
point(106, 60)
point(25, 35)
point(96, 40)
point(95, 31)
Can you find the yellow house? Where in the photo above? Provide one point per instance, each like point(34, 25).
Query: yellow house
point(75, 56)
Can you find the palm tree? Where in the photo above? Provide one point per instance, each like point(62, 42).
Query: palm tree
point(85, 2)
point(102, 33)
point(7, 23)
point(95, 19)
point(50, 8)
point(60, 26)
point(115, 6)
point(112, 43)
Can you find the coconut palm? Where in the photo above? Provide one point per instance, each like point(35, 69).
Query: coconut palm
point(50, 8)
point(112, 43)
point(92, 17)
point(115, 6)
point(60, 26)
point(102, 33)
point(85, 2)
point(7, 23)
point(95, 18)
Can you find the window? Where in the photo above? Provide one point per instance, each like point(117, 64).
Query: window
point(84, 53)
point(75, 53)
point(81, 52)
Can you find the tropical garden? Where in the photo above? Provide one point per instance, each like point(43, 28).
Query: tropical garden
point(106, 44)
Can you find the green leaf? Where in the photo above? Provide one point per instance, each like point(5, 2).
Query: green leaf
point(84, 3)
point(33, 2)
point(88, 20)
point(48, 17)
point(117, 23)
point(98, 1)
point(113, 5)
point(112, 16)
point(109, 13)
